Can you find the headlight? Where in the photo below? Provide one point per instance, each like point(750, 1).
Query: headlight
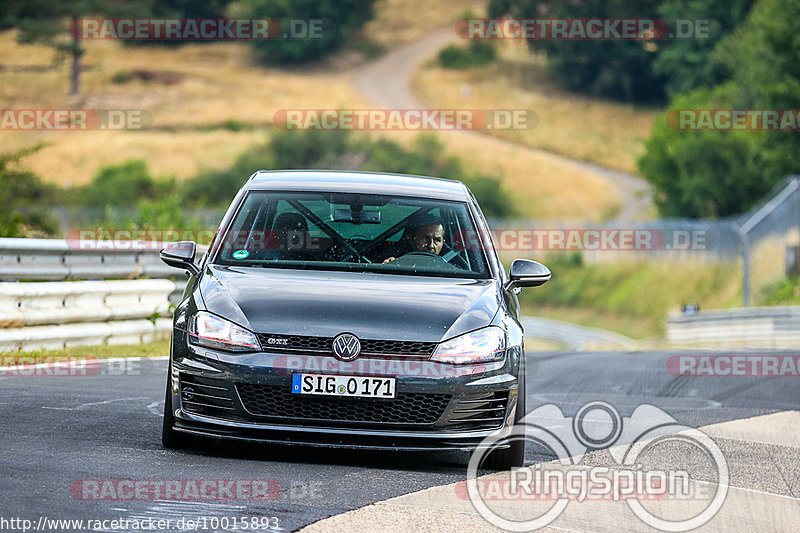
point(210, 330)
point(480, 346)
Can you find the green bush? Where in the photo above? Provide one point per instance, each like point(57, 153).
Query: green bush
point(703, 174)
point(719, 173)
point(119, 185)
point(477, 54)
point(609, 68)
point(218, 187)
point(341, 19)
point(310, 148)
point(25, 200)
point(121, 76)
point(427, 158)
point(691, 63)
point(291, 149)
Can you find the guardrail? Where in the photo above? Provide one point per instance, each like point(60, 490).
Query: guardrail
point(575, 337)
point(750, 327)
point(59, 259)
point(41, 307)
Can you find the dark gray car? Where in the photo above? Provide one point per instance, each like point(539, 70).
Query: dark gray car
point(349, 309)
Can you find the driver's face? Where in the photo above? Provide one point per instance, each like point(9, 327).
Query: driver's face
point(429, 239)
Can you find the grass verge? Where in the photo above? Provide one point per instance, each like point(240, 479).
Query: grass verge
point(631, 298)
point(101, 351)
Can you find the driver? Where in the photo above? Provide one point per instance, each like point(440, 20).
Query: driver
point(428, 236)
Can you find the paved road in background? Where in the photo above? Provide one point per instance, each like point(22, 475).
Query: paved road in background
point(59, 430)
point(386, 82)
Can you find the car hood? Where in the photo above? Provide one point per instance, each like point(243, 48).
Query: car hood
point(371, 306)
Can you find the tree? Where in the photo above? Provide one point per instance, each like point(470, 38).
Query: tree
point(620, 69)
point(345, 16)
point(702, 174)
point(718, 173)
point(689, 63)
point(170, 9)
point(54, 23)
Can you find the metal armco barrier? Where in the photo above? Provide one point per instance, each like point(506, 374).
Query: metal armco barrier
point(58, 259)
point(751, 327)
point(41, 308)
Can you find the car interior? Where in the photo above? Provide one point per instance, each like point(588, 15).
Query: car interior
point(341, 228)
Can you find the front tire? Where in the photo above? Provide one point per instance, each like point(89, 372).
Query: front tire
point(169, 437)
point(514, 455)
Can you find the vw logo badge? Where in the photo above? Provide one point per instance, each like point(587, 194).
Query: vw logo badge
point(346, 346)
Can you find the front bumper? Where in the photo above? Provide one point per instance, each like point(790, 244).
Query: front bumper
point(247, 397)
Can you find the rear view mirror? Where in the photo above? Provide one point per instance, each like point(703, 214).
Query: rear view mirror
point(527, 273)
point(356, 217)
point(180, 254)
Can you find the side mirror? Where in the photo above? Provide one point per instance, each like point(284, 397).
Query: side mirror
point(180, 254)
point(527, 273)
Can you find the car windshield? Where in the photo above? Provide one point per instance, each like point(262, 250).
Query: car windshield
point(356, 232)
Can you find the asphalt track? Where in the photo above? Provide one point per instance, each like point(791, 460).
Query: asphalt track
point(59, 431)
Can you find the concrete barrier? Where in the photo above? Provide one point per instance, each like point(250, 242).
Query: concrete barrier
point(40, 308)
point(66, 336)
point(35, 304)
point(749, 327)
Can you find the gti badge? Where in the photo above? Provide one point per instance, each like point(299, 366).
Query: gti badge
point(346, 346)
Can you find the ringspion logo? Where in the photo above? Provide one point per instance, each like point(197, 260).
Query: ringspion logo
point(547, 489)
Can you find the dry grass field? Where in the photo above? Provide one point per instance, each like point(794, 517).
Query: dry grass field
point(222, 103)
point(602, 132)
point(220, 82)
point(404, 21)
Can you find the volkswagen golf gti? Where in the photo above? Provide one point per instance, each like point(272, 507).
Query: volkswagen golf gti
point(349, 309)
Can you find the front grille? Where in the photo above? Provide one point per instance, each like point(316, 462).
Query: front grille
point(322, 345)
point(479, 411)
point(206, 396)
point(279, 403)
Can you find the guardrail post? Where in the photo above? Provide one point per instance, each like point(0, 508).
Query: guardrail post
point(745, 270)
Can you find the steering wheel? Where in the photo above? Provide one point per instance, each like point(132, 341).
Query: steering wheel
point(355, 253)
point(425, 254)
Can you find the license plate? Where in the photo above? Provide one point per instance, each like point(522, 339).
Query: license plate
point(349, 386)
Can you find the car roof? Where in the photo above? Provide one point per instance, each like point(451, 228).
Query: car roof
point(358, 182)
